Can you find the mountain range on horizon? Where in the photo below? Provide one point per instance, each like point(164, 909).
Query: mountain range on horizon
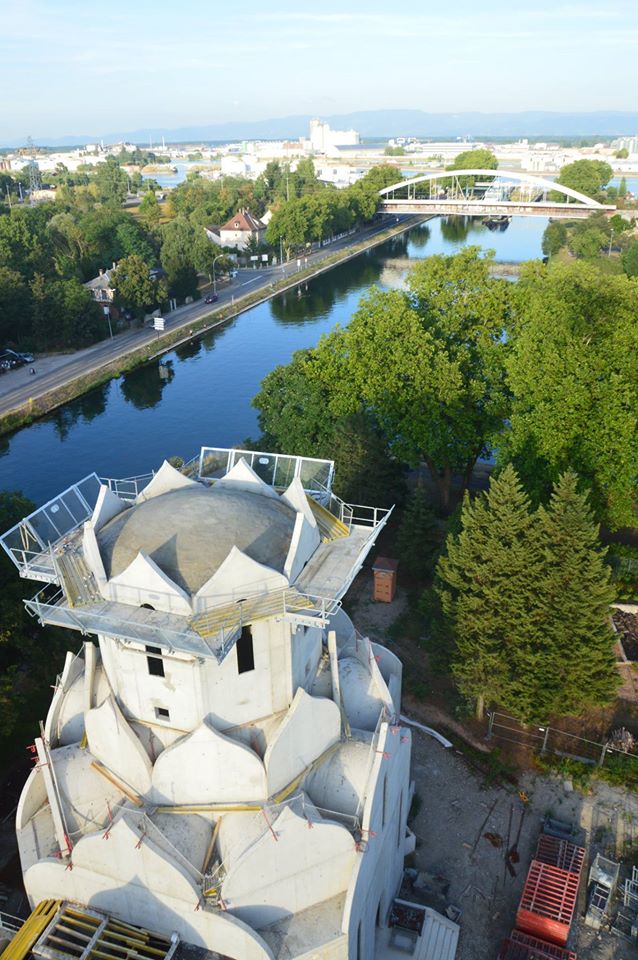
point(376, 123)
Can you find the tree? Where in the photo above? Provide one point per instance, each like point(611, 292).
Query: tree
point(622, 154)
point(429, 364)
point(419, 536)
point(585, 176)
point(134, 286)
point(110, 183)
point(526, 599)
point(486, 581)
point(294, 416)
point(576, 594)
point(478, 159)
point(622, 189)
point(587, 244)
point(571, 372)
point(554, 238)
point(15, 307)
point(149, 210)
point(25, 674)
point(630, 260)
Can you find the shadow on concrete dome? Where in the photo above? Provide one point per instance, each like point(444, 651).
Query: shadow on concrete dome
point(190, 532)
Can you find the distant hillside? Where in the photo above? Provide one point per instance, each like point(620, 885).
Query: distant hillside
point(380, 124)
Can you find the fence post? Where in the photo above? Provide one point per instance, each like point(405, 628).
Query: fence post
point(602, 755)
point(544, 747)
point(490, 726)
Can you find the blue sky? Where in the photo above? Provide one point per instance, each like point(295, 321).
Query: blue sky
point(71, 67)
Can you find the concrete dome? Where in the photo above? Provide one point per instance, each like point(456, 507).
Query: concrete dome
point(189, 532)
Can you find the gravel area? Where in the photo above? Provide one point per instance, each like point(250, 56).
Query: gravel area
point(455, 864)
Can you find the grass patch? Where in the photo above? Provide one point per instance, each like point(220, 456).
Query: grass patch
point(619, 770)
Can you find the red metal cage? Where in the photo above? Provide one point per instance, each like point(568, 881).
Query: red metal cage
point(548, 902)
point(560, 853)
point(520, 946)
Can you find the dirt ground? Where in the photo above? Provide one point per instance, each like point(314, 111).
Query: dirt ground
point(454, 863)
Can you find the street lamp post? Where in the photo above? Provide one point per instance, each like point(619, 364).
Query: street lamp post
point(219, 255)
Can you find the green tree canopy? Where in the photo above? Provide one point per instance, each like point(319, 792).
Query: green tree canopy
point(487, 581)
point(110, 183)
point(294, 417)
point(25, 673)
point(134, 286)
point(149, 210)
point(554, 238)
point(428, 364)
point(15, 307)
point(576, 595)
point(526, 599)
point(419, 535)
point(479, 159)
point(571, 371)
point(585, 176)
point(630, 260)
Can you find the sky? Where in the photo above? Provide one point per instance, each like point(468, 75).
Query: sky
point(70, 67)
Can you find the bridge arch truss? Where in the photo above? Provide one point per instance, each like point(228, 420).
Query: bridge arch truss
point(498, 190)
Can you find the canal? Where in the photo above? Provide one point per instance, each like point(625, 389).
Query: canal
point(128, 425)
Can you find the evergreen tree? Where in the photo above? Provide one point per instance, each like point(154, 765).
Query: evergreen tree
point(419, 537)
point(576, 593)
point(487, 582)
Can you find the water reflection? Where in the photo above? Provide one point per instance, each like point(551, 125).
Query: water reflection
point(457, 229)
point(188, 350)
point(126, 427)
point(318, 298)
point(144, 387)
point(86, 408)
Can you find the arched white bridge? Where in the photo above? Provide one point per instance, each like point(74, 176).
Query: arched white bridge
point(506, 193)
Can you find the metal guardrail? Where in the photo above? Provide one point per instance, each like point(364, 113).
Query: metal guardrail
point(128, 488)
point(9, 922)
point(276, 469)
point(54, 610)
point(28, 542)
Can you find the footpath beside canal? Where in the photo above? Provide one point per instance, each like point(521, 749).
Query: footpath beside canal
point(61, 379)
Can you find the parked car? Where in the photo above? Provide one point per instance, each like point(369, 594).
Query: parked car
point(211, 298)
point(10, 359)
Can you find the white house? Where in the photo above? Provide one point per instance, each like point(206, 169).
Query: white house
point(223, 760)
point(241, 229)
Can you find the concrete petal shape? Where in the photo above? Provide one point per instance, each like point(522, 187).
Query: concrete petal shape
point(207, 767)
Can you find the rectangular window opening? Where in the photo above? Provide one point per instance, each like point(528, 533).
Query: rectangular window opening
point(162, 713)
point(245, 651)
point(155, 664)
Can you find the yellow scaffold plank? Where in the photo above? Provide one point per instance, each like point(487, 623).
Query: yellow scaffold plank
point(35, 924)
point(330, 527)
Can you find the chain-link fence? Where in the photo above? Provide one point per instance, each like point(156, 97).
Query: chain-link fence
point(547, 741)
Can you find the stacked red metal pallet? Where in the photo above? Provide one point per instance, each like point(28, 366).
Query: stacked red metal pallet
point(547, 904)
point(520, 946)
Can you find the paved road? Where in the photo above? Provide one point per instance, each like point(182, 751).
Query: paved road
point(17, 387)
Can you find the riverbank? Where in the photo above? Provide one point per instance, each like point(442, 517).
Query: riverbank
point(131, 355)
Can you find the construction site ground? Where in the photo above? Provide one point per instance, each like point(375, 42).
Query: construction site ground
point(458, 802)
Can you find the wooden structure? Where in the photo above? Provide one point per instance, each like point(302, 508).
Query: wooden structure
point(385, 579)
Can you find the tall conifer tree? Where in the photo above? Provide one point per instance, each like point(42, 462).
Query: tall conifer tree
point(487, 581)
point(576, 592)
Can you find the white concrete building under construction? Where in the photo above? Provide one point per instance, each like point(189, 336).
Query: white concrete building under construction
point(223, 762)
